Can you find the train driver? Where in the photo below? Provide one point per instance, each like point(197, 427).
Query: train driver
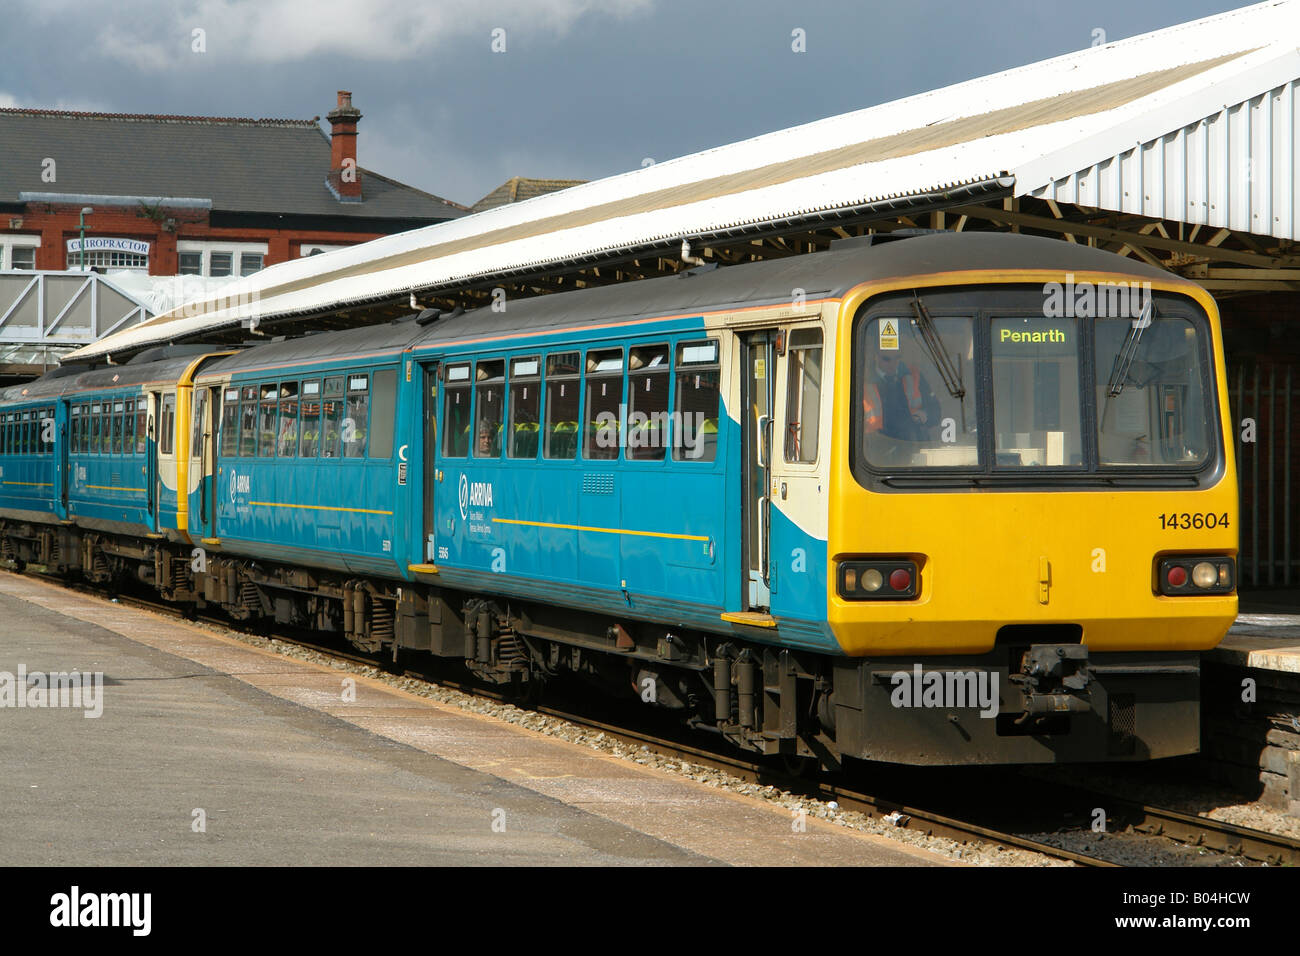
point(897, 401)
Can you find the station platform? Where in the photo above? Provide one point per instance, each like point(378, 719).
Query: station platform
point(1268, 641)
point(210, 751)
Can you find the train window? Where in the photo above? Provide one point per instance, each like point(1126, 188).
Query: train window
point(1036, 410)
point(903, 413)
point(309, 409)
point(248, 422)
point(95, 422)
point(74, 431)
point(198, 408)
point(803, 389)
point(695, 405)
point(356, 420)
point(229, 422)
point(563, 405)
point(267, 406)
point(141, 426)
point(455, 412)
point(287, 445)
point(604, 399)
point(1161, 416)
point(167, 425)
point(116, 444)
point(128, 428)
point(332, 418)
point(490, 382)
point(525, 404)
point(647, 402)
point(383, 412)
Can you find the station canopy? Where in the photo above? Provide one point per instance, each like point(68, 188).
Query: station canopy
point(1195, 124)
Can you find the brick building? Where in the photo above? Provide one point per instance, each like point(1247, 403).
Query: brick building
point(191, 195)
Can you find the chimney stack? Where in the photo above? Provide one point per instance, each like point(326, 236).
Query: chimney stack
point(345, 177)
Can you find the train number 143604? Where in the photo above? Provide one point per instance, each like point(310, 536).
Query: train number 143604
point(1185, 520)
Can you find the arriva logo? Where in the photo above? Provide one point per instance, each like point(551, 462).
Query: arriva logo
point(475, 493)
point(239, 484)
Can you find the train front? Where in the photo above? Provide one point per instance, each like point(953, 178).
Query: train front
point(1033, 526)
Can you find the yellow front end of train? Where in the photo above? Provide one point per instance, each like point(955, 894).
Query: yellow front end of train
point(1052, 509)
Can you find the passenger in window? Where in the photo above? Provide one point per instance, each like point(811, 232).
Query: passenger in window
point(897, 401)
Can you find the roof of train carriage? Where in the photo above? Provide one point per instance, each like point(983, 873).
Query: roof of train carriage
point(155, 365)
point(822, 275)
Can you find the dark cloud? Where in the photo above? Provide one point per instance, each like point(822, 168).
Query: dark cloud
point(586, 89)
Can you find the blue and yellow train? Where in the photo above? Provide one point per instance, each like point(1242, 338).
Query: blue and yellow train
point(942, 499)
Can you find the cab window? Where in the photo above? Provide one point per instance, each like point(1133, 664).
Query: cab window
point(803, 383)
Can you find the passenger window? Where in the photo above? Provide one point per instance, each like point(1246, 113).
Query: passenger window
point(141, 426)
point(229, 422)
point(332, 418)
point(803, 383)
point(647, 403)
point(490, 379)
point(455, 412)
point(248, 422)
point(74, 432)
point(562, 405)
point(167, 428)
point(309, 446)
point(696, 404)
point(383, 413)
point(287, 446)
point(357, 420)
point(604, 396)
point(128, 428)
point(96, 420)
point(525, 403)
point(266, 421)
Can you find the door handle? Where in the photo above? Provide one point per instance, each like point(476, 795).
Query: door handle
point(761, 451)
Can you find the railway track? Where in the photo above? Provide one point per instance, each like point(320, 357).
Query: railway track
point(1148, 820)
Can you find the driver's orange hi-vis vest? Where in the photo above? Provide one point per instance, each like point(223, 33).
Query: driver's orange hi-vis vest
point(873, 408)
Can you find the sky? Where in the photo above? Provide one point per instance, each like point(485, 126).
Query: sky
point(457, 96)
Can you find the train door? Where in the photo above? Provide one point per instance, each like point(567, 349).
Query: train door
point(431, 474)
point(153, 481)
point(62, 474)
point(758, 400)
point(203, 457)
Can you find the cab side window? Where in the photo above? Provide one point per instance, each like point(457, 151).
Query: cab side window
point(803, 383)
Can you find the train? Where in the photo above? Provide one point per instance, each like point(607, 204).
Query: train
point(929, 499)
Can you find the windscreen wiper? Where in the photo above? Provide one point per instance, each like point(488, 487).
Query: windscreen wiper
point(950, 374)
point(1127, 351)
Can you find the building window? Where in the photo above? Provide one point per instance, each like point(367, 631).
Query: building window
point(220, 259)
point(18, 252)
point(110, 259)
